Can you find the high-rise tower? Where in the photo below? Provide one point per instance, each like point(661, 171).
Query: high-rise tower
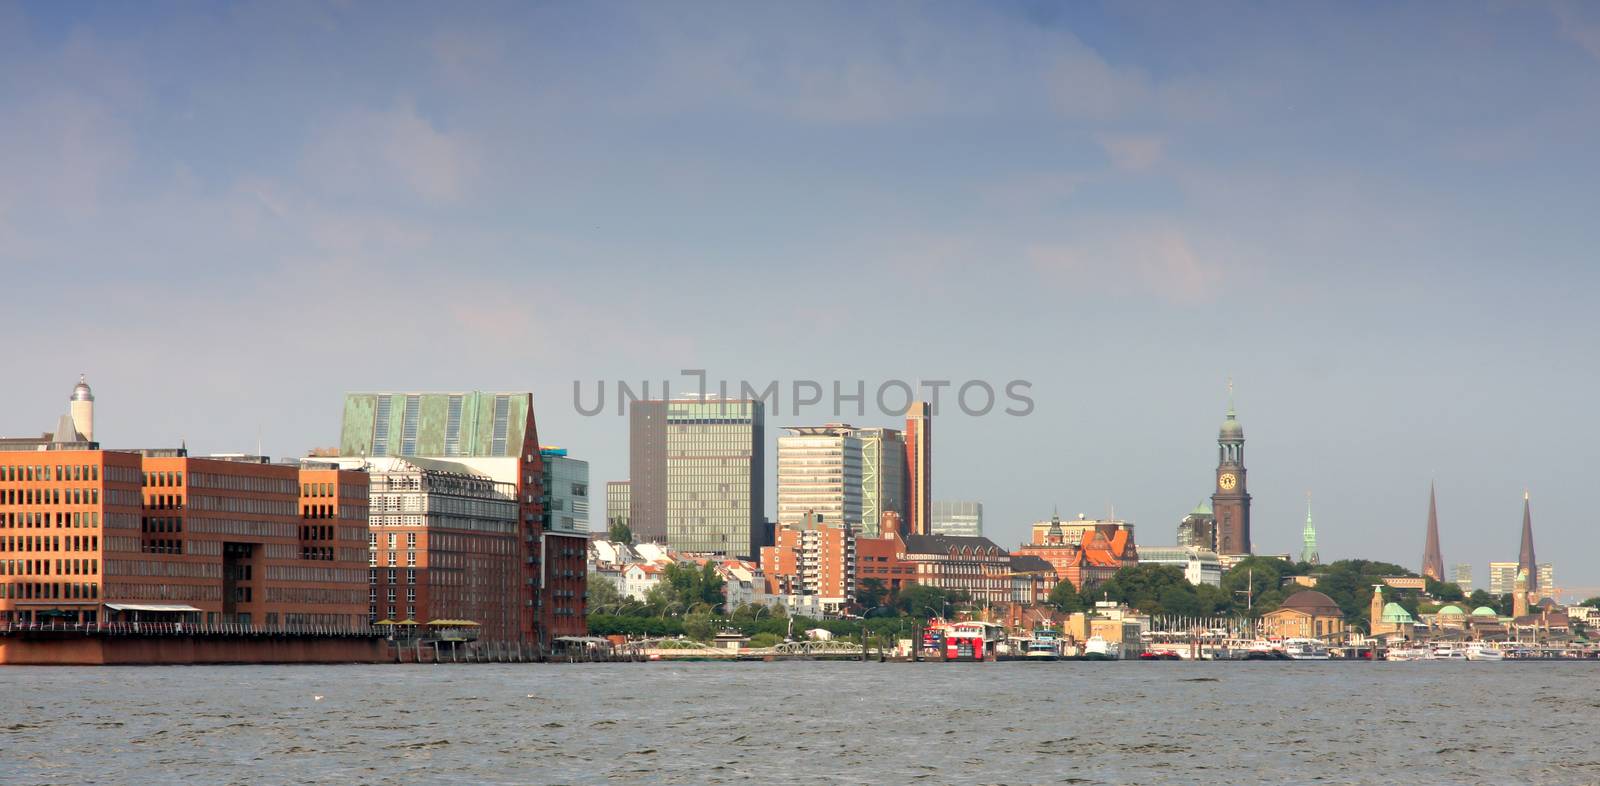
point(83, 409)
point(1525, 558)
point(919, 469)
point(1308, 551)
point(1432, 560)
point(1230, 504)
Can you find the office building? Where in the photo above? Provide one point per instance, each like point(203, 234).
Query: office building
point(819, 476)
point(919, 468)
point(1198, 565)
point(492, 435)
point(566, 492)
point(619, 502)
point(698, 474)
point(1502, 577)
point(1461, 574)
point(883, 479)
point(962, 519)
point(1198, 529)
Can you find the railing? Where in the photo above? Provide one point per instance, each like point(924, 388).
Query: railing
point(188, 629)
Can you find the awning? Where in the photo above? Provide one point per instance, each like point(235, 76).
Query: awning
point(385, 622)
point(148, 607)
point(454, 623)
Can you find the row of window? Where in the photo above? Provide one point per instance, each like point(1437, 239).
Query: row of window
point(57, 496)
point(42, 567)
point(54, 590)
point(30, 473)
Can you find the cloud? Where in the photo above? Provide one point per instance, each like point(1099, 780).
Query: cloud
point(368, 152)
point(1133, 152)
point(1582, 31)
point(1160, 262)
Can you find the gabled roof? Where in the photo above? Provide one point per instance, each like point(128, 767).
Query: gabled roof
point(943, 544)
point(1027, 563)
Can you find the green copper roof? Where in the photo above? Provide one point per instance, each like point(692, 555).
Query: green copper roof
point(1451, 609)
point(439, 425)
point(1202, 509)
point(1394, 612)
point(1485, 611)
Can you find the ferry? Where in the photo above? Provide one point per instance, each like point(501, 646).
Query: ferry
point(1305, 649)
point(1097, 648)
point(1261, 649)
point(1044, 646)
point(1485, 652)
point(1447, 651)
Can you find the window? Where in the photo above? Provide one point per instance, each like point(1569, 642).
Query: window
point(380, 434)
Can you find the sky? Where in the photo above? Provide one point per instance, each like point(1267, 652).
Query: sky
point(1377, 219)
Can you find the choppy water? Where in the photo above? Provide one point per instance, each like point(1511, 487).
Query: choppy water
point(1005, 723)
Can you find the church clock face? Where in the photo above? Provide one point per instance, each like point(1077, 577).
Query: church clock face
point(1227, 481)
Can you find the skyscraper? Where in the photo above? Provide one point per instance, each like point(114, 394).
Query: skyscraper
point(698, 473)
point(566, 491)
point(1432, 560)
point(819, 476)
point(1525, 558)
point(1308, 536)
point(1199, 528)
point(1502, 576)
point(1462, 576)
point(962, 519)
point(883, 477)
point(919, 468)
point(1231, 502)
point(619, 500)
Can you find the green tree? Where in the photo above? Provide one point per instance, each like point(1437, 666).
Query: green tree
point(602, 594)
point(1153, 589)
point(871, 593)
point(1443, 590)
point(619, 531)
point(1065, 597)
point(1593, 602)
point(698, 626)
point(1481, 598)
point(920, 600)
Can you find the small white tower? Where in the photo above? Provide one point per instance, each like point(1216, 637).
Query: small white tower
point(83, 409)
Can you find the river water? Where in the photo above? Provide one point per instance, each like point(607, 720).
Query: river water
point(804, 722)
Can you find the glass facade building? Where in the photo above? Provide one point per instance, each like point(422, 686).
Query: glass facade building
point(819, 477)
point(698, 470)
point(619, 501)
point(883, 476)
point(566, 492)
point(964, 519)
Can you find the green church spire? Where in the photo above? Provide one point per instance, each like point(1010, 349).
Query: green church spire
point(1308, 552)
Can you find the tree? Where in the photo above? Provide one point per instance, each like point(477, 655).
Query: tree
point(1593, 603)
point(1480, 598)
point(602, 594)
point(619, 531)
point(697, 626)
point(1153, 589)
point(920, 599)
point(871, 593)
point(1443, 590)
point(1065, 597)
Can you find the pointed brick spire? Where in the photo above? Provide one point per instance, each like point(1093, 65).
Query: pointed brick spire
point(1432, 560)
point(1525, 560)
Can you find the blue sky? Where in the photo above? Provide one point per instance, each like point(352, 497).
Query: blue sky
point(1377, 219)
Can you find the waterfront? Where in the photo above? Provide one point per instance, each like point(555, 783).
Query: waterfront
point(815, 722)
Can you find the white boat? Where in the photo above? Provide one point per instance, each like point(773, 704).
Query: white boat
point(1485, 652)
point(1406, 653)
point(1448, 651)
point(1305, 649)
point(1044, 645)
point(1097, 648)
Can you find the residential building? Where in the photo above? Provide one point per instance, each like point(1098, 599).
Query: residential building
point(812, 559)
point(883, 479)
point(819, 476)
point(1198, 565)
point(962, 519)
point(1462, 576)
point(618, 504)
point(698, 472)
point(1502, 577)
point(743, 584)
point(641, 577)
point(493, 435)
point(1547, 580)
point(919, 468)
point(1305, 614)
point(566, 492)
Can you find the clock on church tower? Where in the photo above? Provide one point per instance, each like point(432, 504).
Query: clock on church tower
point(1230, 503)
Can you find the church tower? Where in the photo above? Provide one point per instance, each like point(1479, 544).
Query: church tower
point(1230, 504)
point(1432, 560)
point(1308, 537)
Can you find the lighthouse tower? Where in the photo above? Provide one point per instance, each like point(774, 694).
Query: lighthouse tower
point(83, 409)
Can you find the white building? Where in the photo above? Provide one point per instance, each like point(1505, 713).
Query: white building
point(819, 473)
point(639, 578)
point(1199, 566)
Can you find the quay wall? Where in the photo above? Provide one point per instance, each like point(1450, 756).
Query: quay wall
point(177, 650)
